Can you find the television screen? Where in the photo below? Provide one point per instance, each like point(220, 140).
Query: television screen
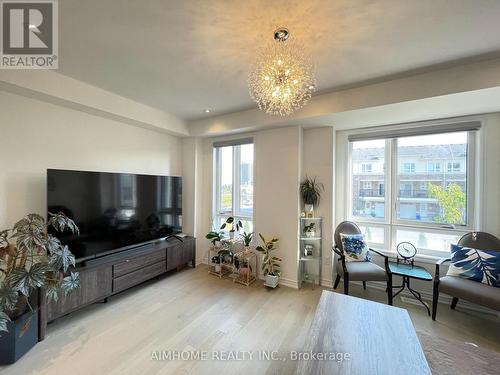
point(114, 210)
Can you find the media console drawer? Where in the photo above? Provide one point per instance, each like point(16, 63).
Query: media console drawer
point(135, 263)
point(138, 276)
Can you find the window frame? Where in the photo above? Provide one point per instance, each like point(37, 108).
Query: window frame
point(390, 223)
point(236, 185)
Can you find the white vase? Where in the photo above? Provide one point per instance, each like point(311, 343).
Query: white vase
point(231, 235)
point(272, 281)
point(309, 209)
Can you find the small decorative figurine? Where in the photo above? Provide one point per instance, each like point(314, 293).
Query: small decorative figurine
point(308, 250)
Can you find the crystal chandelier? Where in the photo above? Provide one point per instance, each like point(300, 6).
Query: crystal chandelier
point(282, 79)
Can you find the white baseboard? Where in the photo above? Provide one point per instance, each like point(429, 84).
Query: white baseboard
point(284, 281)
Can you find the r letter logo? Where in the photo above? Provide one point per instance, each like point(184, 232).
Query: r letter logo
point(29, 34)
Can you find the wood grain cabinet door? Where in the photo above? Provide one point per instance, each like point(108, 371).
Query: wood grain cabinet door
point(189, 252)
point(95, 284)
point(174, 253)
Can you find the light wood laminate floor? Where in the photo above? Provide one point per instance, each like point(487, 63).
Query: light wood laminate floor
point(191, 310)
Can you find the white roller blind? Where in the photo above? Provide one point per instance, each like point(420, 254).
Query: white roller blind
point(384, 132)
point(233, 142)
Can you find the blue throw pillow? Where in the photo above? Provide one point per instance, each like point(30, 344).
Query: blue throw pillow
point(355, 248)
point(482, 266)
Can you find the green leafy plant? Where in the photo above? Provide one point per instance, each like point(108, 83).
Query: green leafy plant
point(247, 238)
point(233, 224)
point(271, 265)
point(214, 236)
point(451, 202)
point(310, 191)
point(37, 259)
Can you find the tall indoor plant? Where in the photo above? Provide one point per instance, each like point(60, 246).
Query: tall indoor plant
point(271, 265)
point(31, 258)
point(310, 191)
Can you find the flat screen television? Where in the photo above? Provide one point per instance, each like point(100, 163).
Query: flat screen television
point(114, 211)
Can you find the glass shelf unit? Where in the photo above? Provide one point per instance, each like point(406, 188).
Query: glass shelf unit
point(311, 252)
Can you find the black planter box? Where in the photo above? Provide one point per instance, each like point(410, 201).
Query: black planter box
point(22, 336)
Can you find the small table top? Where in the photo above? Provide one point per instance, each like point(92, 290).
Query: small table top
point(378, 338)
point(415, 272)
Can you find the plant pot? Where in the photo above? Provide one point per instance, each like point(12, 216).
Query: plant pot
point(231, 235)
point(245, 272)
point(21, 337)
point(310, 234)
point(309, 209)
point(272, 281)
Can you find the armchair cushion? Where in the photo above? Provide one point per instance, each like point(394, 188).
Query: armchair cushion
point(355, 247)
point(482, 266)
point(471, 291)
point(362, 271)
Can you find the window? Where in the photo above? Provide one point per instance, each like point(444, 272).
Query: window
point(233, 184)
point(453, 166)
point(433, 167)
point(408, 167)
point(366, 168)
point(430, 210)
point(368, 204)
point(367, 185)
point(406, 189)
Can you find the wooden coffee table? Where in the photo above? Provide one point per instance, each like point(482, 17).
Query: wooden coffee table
point(378, 339)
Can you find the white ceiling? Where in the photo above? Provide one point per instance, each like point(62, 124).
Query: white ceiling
point(185, 56)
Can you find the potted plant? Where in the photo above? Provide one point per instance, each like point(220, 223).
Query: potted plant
point(214, 237)
point(270, 264)
point(31, 258)
point(310, 191)
point(234, 225)
point(216, 263)
point(309, 230)
point(244, 270)
point(247, 240)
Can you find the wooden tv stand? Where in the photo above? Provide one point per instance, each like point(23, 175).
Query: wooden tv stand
point(103, 277)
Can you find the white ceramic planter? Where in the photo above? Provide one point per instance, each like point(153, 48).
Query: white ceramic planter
point(309, 209)
point(311, 234)
point(272, 281)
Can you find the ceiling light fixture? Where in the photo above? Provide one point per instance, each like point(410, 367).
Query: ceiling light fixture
point(206, 111)
point(282, 80)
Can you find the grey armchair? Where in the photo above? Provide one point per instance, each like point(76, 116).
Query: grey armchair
point(358, 271)
point(469, 290)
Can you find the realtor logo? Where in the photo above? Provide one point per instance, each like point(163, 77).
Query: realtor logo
point(29, 34)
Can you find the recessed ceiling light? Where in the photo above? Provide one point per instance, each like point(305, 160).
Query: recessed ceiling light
point(32, 26)
point(206, 110)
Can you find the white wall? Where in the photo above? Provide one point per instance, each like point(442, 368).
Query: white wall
point(318, 154)
point(36, 135)
point(277, 177)
point(52, 87)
